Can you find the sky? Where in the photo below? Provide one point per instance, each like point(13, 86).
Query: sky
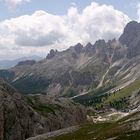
point(33, 27)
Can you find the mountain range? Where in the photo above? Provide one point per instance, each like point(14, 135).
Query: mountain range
point(5, 64)
point(104, 77)
point(82, 68)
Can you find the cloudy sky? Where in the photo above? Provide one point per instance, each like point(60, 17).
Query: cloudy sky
point(33, 27)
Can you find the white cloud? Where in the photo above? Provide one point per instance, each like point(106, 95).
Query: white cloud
point(138, 11)
point(12, 4)
point(96, 22)
point(39, 32)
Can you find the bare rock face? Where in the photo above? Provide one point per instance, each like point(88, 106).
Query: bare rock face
point(131, 31)
point(131, 38)
point(20, 120)
point(17, 120)
point(51, 54)
point(58, 113)
point(78, 48)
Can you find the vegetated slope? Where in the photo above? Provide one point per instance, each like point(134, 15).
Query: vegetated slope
point(21, 118)
point(124, 129)
point(125, 99)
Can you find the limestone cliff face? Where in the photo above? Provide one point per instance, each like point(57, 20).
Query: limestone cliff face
point(19, 120)
point(131, 38)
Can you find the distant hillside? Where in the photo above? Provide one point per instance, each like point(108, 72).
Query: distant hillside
point(5, 64)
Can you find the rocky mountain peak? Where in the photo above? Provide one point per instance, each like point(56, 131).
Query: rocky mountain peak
point(89, 49)
point(78, 48)
point(89, 46)
point(100, 43)
point(131, 31)
point(100, 47)
point(51, 54)
point(131, 38)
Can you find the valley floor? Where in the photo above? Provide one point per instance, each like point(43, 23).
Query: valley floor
point(89, 131)
point(126, 128)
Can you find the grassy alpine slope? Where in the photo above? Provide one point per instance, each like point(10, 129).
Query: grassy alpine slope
point(123, 129)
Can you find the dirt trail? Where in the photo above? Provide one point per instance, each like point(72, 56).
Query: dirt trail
point(83, 93)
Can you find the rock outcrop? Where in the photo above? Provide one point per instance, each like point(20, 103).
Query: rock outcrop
point(21, 118)
point(131, 38)
point(17, 120)
point(51, 54)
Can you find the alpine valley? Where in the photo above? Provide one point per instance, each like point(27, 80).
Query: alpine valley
point(83, 93)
